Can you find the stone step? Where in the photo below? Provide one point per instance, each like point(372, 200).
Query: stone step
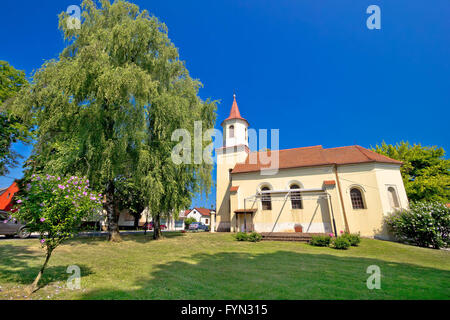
point(289, 236)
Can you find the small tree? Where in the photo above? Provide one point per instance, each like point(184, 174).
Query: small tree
point(189, 221)
point(55, 208)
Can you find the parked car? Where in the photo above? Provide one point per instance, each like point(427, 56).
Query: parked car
point(12, 227)
point(198, 226)
point(150, 226)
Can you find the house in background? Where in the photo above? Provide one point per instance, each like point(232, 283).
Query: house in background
point(126, 220)
point(7, 195)
point(200, 214)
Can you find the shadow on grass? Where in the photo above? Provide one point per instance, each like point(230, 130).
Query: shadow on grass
point(15, 268)
point(281, 275)
point(136, 237)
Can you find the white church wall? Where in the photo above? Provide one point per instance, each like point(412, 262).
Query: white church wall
point(390, 176)
point(315, 216)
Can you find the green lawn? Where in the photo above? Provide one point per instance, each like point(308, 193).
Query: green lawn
point(214, 266)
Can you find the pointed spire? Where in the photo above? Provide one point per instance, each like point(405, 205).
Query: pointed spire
point(234, 112)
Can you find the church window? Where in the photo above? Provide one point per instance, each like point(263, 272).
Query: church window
point(393, 199)
point(266, 199)
point(296, 201)
point(231, 131)
point(357, 198)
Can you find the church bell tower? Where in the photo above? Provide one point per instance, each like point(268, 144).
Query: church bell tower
point(234, 150)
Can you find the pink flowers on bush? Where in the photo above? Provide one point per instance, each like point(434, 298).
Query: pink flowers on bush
point(59, 203)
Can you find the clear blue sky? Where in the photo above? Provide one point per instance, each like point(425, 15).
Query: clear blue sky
point(309, 68)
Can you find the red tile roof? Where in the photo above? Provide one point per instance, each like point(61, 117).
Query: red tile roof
point(234, 112)
point(6, 197)
point(311, 157)
point(203, 211)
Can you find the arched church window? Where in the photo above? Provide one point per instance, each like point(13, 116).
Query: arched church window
point(393, 199)
point(266, 199)
point(231, 131)
point(357, 198)
point(296, 201)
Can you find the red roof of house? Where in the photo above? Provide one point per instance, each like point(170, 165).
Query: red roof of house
point(203, 211)
point(186, 212)
point(7, 195)
point(234, 112)
point(312, 156)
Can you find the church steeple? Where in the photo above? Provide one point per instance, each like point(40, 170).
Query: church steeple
point(234, 112)
point(235, 127)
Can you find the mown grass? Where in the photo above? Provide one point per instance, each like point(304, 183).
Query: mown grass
point(214, 266)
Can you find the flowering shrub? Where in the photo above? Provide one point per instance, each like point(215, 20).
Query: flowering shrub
point(425, 224)
point(55, 207)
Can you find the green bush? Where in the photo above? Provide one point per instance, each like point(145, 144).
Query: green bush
point(353, 238)
point(341, 242)
point(241, 236)
point(425, 224)
point(189, 221)
point(320, 241)
point(254, 237)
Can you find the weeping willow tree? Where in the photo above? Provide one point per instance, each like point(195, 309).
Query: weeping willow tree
point(170, 185)
point(105, 108)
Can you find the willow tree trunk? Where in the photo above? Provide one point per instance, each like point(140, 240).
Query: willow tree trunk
point(157, 227)
point(112, 214)
point(136, 221)
point(35, 285)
